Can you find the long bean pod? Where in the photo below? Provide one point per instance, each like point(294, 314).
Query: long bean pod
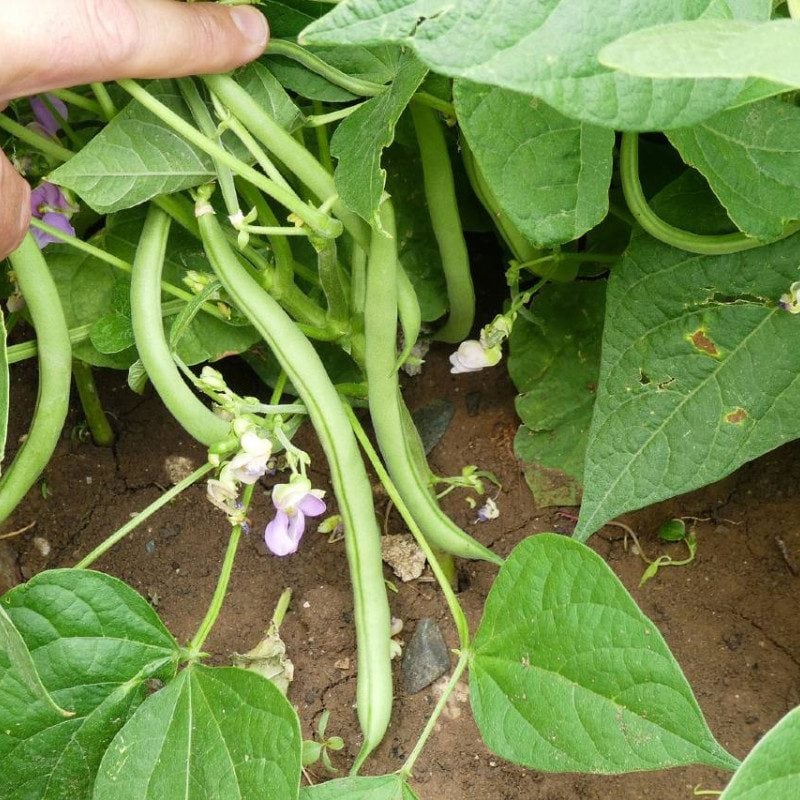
point(409, 312)
point(351, 485)
point(386, 406)
point(443, 209)
point(55, 373)
point(148, 331)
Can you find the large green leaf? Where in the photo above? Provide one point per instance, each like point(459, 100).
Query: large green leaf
point(94, 643)
point(554, 360)
point(772, 770)
point(700, 368)
point(751, 158)
point(137, 156)
point(382, 787)
point(711, 49)
point(546, 48)
point(360, 140)
point(568, 675)
point(4, 390)
point(550, 174)
point(210, 734)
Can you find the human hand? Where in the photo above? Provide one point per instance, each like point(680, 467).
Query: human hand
point(55, 43)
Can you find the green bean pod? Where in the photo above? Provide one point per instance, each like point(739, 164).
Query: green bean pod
point(443, 209)
point(400, 445)
point(351, 485)
point(409, 312)
point(148, 332)
point(55, 373)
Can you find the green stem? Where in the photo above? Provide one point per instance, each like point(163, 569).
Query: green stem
point(436, 103)
point(356, 86)
point(198, 420)
point(440, 194)
point(718, 245)
point(286, 149)
point(55, 360)
point(77, 100)
point(408, 766)
point(323, 146)
point(351, 485)
point(104, 98)
point(36, 140)
point(321, 224)
point(142, 516)
point(317, 120)
point(96, 418)
point(221, 589)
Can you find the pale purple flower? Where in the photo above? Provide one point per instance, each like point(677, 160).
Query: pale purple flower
point(293, 501)
point(472, 356)
point(222, 493)
point(488, 511)
point(50, 205)
point(48, 121)
point(250, 463)
point(791, 302)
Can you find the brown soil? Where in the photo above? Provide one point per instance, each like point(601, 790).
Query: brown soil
point(730, 618)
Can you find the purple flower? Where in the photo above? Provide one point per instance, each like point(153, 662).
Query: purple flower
point(294, 501)
point(48, 121)
point(50, 205)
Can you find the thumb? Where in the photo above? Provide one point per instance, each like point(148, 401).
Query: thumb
point(53, 43)
point(14, 208)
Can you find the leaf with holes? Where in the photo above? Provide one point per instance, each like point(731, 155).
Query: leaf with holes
point(221, 733)
point(94, 643)
point(550, 174)
point(568, 675)
point(537, 47)
point(699, 372)
point(772, 770)
point(751, 158)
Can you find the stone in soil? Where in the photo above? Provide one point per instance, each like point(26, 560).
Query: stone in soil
point(426, 658)
point(432, 422)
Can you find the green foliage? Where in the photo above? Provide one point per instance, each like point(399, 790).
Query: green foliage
point(221, 732)
point(554, 360)
point(94, 643)
point(536, 48)
point(4, 390)
point(550, 174)
point(360, 140)
point(772, 770)
point(383, 787)
point(568, 675)
point(698, 373)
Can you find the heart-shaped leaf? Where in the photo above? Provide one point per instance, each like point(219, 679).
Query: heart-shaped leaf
point(568, 675)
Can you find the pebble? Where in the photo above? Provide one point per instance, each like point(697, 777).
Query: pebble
point(426, 657)
point(432, 422)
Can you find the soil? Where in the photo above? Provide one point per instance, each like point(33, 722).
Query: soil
point(730, 618)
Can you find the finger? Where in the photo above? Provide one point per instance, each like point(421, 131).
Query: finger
point(54, 43)
point(15, 212)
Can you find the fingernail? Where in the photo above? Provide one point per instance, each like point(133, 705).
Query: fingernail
point(252, 24)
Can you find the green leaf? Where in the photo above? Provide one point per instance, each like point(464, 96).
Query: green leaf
point(382, 787)
point(772, 770)
point(4, 390)
point(751, 158)
point(112, 334)
point(360, 139)
point(545, 48)
point(220, 733)
point(699, 372)
point(267, 91)
point(554, 361)
point(673, 530)
point(568, 675)
point(550, 174)
point(711, 49)
point(94, 643)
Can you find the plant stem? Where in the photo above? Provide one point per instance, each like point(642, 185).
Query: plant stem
point(356, 86)
point(142, 516)
point(721, 244)
point(406, 769)
point(430, 100)
point(317, 120)
point(104, 98)
point(222, 583)
point(36, 140)
point(323, 146)
point(96, 418)
point(77, 100)
point(321, 224)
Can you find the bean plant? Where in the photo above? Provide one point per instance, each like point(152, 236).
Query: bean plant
point(639, 164)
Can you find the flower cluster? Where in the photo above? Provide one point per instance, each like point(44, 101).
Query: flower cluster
point(474, 355)
point(51, 205)
point(49, 113)
point(791, 302)
point(293, 501)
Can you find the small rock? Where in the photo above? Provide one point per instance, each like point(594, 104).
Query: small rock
point(402, 554)
point(473, 403)
point(343, 664)
point(169, 531)
point(178, 468)
point(42, 545)
point(150, 547)
point(432, 422)
point(426, 657)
